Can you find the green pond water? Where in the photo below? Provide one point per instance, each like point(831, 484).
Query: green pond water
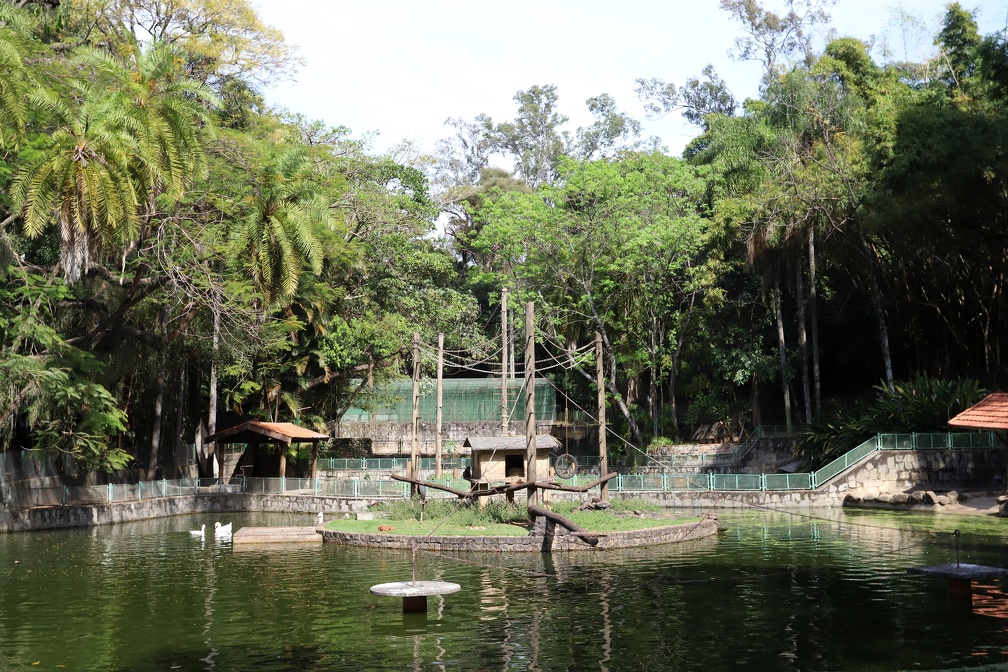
point(776, 591)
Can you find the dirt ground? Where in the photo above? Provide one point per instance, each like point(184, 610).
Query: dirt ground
point(980, 504)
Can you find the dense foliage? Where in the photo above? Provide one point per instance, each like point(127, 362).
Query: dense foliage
point(171, 248)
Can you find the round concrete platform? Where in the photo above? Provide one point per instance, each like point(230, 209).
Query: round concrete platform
point(414, 593)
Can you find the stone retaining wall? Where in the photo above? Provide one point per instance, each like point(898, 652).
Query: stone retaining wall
point(61, 517)
point(527, 544)
point(892, 471)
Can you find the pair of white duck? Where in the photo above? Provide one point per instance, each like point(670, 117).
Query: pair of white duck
point(220, 531)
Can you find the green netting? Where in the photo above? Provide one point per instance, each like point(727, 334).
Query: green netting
point(462, 400)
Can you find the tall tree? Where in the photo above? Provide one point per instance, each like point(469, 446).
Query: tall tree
point(535, 138)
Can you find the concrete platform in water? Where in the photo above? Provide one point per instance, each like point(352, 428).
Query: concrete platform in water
point(960, 577)
point(277, 535)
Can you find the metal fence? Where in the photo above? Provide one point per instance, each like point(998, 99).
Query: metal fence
point(377, 485)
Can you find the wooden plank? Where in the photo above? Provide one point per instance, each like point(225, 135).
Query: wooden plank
point(276, 535)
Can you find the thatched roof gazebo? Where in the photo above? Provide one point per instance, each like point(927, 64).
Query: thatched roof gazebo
point(284, 433)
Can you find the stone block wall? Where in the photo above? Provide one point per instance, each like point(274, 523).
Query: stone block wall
point(527, 544)
point(890, 471)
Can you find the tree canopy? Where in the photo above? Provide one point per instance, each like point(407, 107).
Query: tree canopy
point(170, 246)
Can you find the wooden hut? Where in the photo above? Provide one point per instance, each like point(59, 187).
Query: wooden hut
point(502, 459)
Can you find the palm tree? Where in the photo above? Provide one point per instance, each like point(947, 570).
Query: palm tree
point(165, 111)
point(12, 75)
point(277, 236)
point(121, 138)
point(82, 179)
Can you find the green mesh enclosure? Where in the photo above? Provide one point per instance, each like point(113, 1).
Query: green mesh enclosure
point(463, 400)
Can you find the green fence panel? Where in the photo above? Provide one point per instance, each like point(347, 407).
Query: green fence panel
point(675, 481)
point(736, 481)
point(641, 482)
point(972, 440)
point(896, 441)
point(846, 460)
point(787, 481)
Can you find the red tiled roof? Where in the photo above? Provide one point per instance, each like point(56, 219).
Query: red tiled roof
point(991, 412)
point(260, 432)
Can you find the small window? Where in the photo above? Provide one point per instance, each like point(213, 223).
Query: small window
point(514, 465)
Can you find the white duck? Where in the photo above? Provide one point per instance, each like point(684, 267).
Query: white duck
point(319, 519)
point(222, 530)
point(200, 532)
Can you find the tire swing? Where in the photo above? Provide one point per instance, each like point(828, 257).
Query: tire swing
point(565, 466)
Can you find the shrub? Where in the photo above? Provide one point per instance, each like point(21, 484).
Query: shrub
point(921, 404)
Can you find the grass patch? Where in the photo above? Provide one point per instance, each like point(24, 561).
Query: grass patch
point(427, 527)
point(446, 517)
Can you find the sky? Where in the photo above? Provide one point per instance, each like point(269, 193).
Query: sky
point(401, 68)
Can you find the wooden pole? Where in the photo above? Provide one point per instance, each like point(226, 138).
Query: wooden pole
point(414, 462)
point(530, 418)
point(504, 363)
point(440, 396)
point(603, 457)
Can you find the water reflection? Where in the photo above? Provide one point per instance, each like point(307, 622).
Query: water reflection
point(822, 591)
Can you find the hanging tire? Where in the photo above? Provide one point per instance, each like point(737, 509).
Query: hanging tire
point(565, 466)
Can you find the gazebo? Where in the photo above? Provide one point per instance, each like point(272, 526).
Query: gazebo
point(990, 413)
point(284, 433)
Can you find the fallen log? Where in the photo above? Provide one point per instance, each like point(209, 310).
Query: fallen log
point(575, 530)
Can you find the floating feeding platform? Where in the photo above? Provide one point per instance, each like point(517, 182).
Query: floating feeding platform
point(960, 577)
point(414, 593)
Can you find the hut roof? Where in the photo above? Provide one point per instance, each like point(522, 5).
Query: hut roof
point(266, 432)
point(989, 413)
point(488, 443)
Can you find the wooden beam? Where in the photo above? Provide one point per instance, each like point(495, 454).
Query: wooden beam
point(461, 494)
point(549, 485)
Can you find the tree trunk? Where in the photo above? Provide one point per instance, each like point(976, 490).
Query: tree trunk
point(877, 301)
point(814, 314)
point(155, 443)
point(212, 412)
point(757, 415)
point(655, 373)
point(782, 346)
point(803, 340)
point(180, 411)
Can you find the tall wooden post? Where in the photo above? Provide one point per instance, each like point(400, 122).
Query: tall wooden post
point(530, 418)
point(414, 464)
point(437, 416)
point(603, 457)
point(504, 363)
